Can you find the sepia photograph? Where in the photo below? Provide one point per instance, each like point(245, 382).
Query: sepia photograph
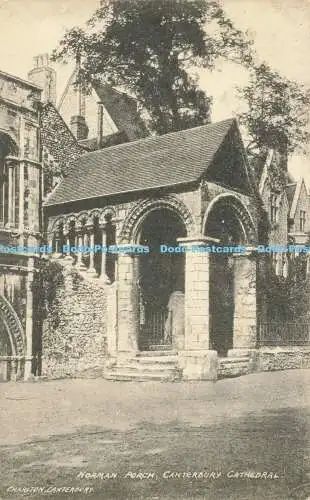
point(155, 249)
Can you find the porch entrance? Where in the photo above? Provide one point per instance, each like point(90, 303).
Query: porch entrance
point(223, 224)
point(161, 282)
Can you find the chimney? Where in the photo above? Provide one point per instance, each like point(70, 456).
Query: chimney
point(44, 75)
point(78, 127)
point(78, 123)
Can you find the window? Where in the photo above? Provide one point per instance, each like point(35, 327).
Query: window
point(302, 220)
point(4, 193)
point(274, 207)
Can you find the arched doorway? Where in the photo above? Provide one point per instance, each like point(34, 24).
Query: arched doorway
point(224, 223)
point(161, 281)
point(5, 351)
point(12, 348)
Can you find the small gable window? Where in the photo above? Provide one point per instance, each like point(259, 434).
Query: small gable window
point(302, 220)
point(274, 207)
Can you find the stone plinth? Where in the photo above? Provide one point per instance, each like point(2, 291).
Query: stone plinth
point(198, 364)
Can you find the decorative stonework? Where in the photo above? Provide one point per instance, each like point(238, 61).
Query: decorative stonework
point(78, 218)
point(14, 325)
point(240, 211)
point(143, 207)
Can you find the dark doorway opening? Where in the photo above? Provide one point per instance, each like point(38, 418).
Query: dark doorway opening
point(160, 276)
point(224, 225)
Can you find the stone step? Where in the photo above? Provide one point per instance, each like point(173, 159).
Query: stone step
point(132, 367)
point(156, 353)
point(156, 360)
point(142, 376)
point(241, 359)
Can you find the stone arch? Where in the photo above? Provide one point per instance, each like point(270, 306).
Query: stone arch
point(56, 223)
point(13, 327)
point(108, 211)
point(141, 209)
point(8, 144)
point(239, 209)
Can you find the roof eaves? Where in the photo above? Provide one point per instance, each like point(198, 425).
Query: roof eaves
point(106, 195)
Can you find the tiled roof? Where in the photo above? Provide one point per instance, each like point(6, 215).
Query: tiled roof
point(175, 158)
point(122, 108)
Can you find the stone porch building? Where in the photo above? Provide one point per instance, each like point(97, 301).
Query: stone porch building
point(189, 188)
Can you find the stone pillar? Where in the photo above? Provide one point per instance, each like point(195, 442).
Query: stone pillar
point(11, 195)
point(29, 320)
point(67, 238)
point(245, 314)
point(21, 197)
point(103, 273)
point(91, 269)
point(57, 244)
point(103, 253)
point(197, 360)
point(127, 304)
point(79, 262)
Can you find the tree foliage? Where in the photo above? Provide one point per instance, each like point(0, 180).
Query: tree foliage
point(278, 111)
point(149, 48)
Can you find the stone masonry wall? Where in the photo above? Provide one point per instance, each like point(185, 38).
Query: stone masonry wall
point(283, 358)
point(74, 337)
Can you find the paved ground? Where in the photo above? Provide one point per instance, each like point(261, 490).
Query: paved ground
point(80, 434)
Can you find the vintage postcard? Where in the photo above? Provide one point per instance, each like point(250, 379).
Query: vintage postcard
point(154, 249)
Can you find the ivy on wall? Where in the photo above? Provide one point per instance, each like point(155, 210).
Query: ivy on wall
point(60, 147)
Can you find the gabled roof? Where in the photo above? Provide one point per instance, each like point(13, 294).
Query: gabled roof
point(121, 108)
point(175, 158)
point(297, 192)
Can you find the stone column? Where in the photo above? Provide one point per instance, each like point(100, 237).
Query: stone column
point(57, 244)
point(103, 274)
point(127, 304)
point(197, 360)
point(79, 232)
point(245, 314)
point(66, 232)
point(21, 197)
point(91, 269)
point(11, 195)
point(29, 320)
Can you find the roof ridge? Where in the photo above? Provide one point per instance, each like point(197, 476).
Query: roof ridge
point(154, 137)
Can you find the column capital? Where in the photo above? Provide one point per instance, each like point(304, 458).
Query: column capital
point(89, 226)
point(250, 251)
point(198, 240)
point(127, 249)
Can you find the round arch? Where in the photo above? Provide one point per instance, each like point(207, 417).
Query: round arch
point(237, 208)
point(8, 144)
point(13, 327)
point(135, 218)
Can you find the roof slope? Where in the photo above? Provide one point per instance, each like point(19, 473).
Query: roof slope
point(175, 158)
point(122, 108)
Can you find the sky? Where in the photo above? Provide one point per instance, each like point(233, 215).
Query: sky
point(280, 29)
